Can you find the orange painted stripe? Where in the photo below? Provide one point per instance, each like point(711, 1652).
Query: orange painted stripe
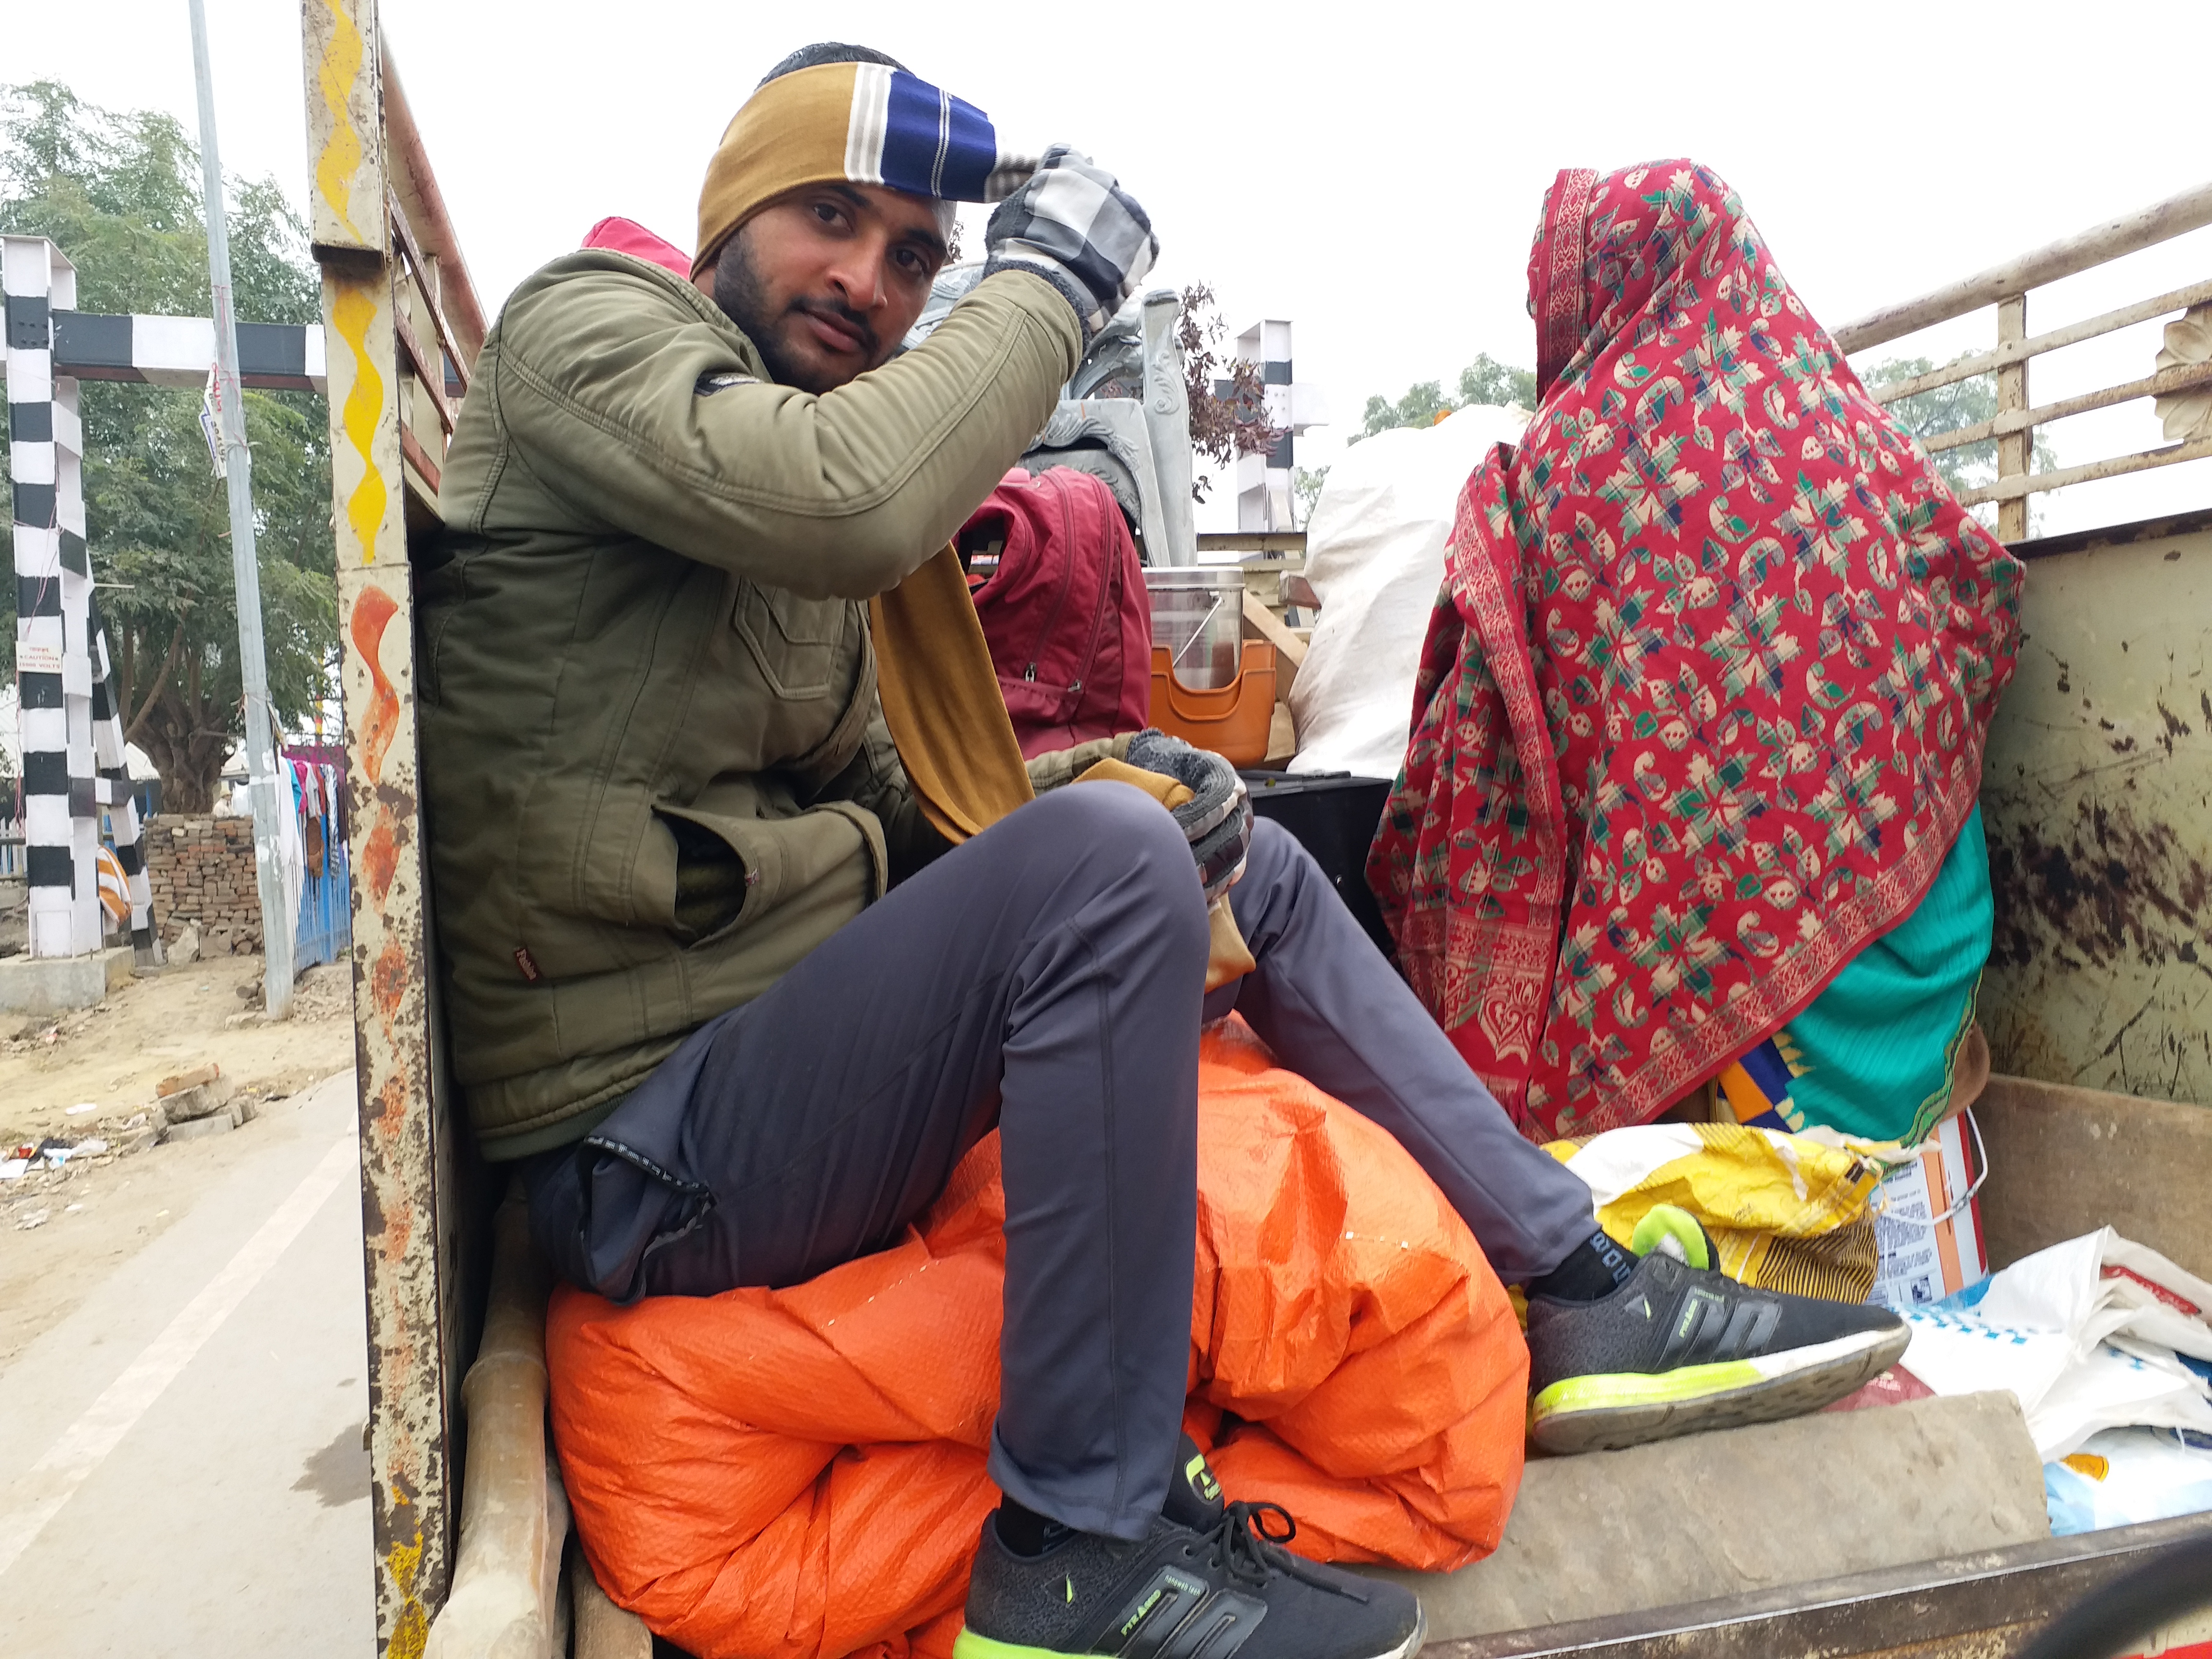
point(1942, 1198)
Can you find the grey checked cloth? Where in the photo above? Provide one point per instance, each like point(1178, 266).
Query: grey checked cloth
point(1217, 818)
point(1075, 226)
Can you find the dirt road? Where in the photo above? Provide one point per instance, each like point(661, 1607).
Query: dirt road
point(183, 1473)
point(63, 1231)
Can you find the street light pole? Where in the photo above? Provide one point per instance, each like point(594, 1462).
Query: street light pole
point(276, 926)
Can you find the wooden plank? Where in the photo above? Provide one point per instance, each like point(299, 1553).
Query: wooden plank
point(2148, 227)
point(1289, 649)
point(1980, 1606)
point(429, 378)
point(2065, 1161)
point(426, 284)
point(2182, 377)
point(2089, 328)
point(1861, 1499)
point(424, 203)
point(514, 1518)
point(2016, 489)
point(419, 459)
point(603, 1630)
point(2015, 450)
point(1282, 544)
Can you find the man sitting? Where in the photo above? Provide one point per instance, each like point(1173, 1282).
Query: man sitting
point(730, 998)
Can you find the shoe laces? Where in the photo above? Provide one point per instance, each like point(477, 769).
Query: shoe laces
point(1238, 1543)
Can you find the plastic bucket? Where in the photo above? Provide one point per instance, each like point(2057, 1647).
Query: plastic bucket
point(1198, 619)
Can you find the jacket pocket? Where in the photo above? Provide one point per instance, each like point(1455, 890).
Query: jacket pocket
point(794, 642)
point(783, 858)
point(714, 884)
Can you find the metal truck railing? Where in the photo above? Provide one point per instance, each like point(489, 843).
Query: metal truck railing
point(403, 327)
point(2007, 287)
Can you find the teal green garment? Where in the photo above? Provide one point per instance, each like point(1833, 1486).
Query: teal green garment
point(1875, 1053)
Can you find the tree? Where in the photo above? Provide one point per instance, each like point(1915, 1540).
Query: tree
point(120, 195)
point(1964, 403)
point(1485, 380)
point(1422, 405)
point(1224, 425)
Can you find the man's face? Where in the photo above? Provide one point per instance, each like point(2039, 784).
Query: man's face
point(827, 281)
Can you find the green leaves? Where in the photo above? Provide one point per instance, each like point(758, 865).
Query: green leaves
point(121, 195)
point(1947, 408)
point(1485, 380)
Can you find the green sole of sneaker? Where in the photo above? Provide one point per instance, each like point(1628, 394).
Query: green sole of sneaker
point(1612, 1413)
point(969, 1644)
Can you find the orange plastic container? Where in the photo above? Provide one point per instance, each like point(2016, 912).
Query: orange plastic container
point(1232, 720)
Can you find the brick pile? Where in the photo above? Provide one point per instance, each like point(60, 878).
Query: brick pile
point(201, 870)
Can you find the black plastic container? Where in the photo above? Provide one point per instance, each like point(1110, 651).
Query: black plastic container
point(1335, 815)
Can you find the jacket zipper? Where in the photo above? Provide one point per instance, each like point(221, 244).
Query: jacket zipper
point(1106, 608)
point(1067, 585)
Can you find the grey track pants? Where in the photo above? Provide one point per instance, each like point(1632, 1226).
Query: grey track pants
point(1045, 978)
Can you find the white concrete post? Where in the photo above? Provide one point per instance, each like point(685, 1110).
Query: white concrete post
point(1264, 493)
point(1263, 482)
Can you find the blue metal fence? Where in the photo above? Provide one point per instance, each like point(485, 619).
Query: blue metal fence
point(326, 910)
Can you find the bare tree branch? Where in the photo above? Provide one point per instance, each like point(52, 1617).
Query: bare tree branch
point(169, 663)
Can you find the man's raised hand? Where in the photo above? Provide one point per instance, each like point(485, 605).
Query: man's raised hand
point(1073, 225)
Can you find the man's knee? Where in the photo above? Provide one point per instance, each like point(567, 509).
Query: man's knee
point(1276, 853)
point(1278, 864)
point(1115, 832)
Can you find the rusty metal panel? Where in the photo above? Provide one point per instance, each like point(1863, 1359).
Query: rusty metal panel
point(412, 1341)
point(2098, 797)
point(345, 125)
point(410, 1356)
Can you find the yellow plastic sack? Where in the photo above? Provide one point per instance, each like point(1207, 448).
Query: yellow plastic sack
point(1786, 1212)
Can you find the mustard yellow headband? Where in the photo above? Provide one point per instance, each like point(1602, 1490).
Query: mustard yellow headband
point(866, 124)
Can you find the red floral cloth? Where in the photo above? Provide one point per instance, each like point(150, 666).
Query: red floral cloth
point(1703, 701)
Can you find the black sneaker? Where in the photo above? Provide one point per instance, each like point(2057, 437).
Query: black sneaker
point(1679, 1347)
point(1208, 1581)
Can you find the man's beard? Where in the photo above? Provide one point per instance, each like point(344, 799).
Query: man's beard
point(740, 292)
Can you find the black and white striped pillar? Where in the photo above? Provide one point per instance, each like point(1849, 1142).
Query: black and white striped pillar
point(1265, 497)
point(1263, 482)
point(53, 590)
point(72, 733)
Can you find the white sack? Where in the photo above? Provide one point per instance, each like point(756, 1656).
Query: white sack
point(2127, 1475)
point(2087, 1334)
point(1375, 555)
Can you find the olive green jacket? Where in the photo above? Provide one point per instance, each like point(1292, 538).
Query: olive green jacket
point(654, 771)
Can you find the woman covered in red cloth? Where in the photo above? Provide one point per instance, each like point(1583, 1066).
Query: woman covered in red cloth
point(1698, 730)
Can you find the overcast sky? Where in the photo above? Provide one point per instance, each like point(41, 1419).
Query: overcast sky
point(1371, 172)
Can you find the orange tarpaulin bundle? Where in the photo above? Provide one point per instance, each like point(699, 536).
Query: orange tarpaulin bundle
point(799, 1473)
